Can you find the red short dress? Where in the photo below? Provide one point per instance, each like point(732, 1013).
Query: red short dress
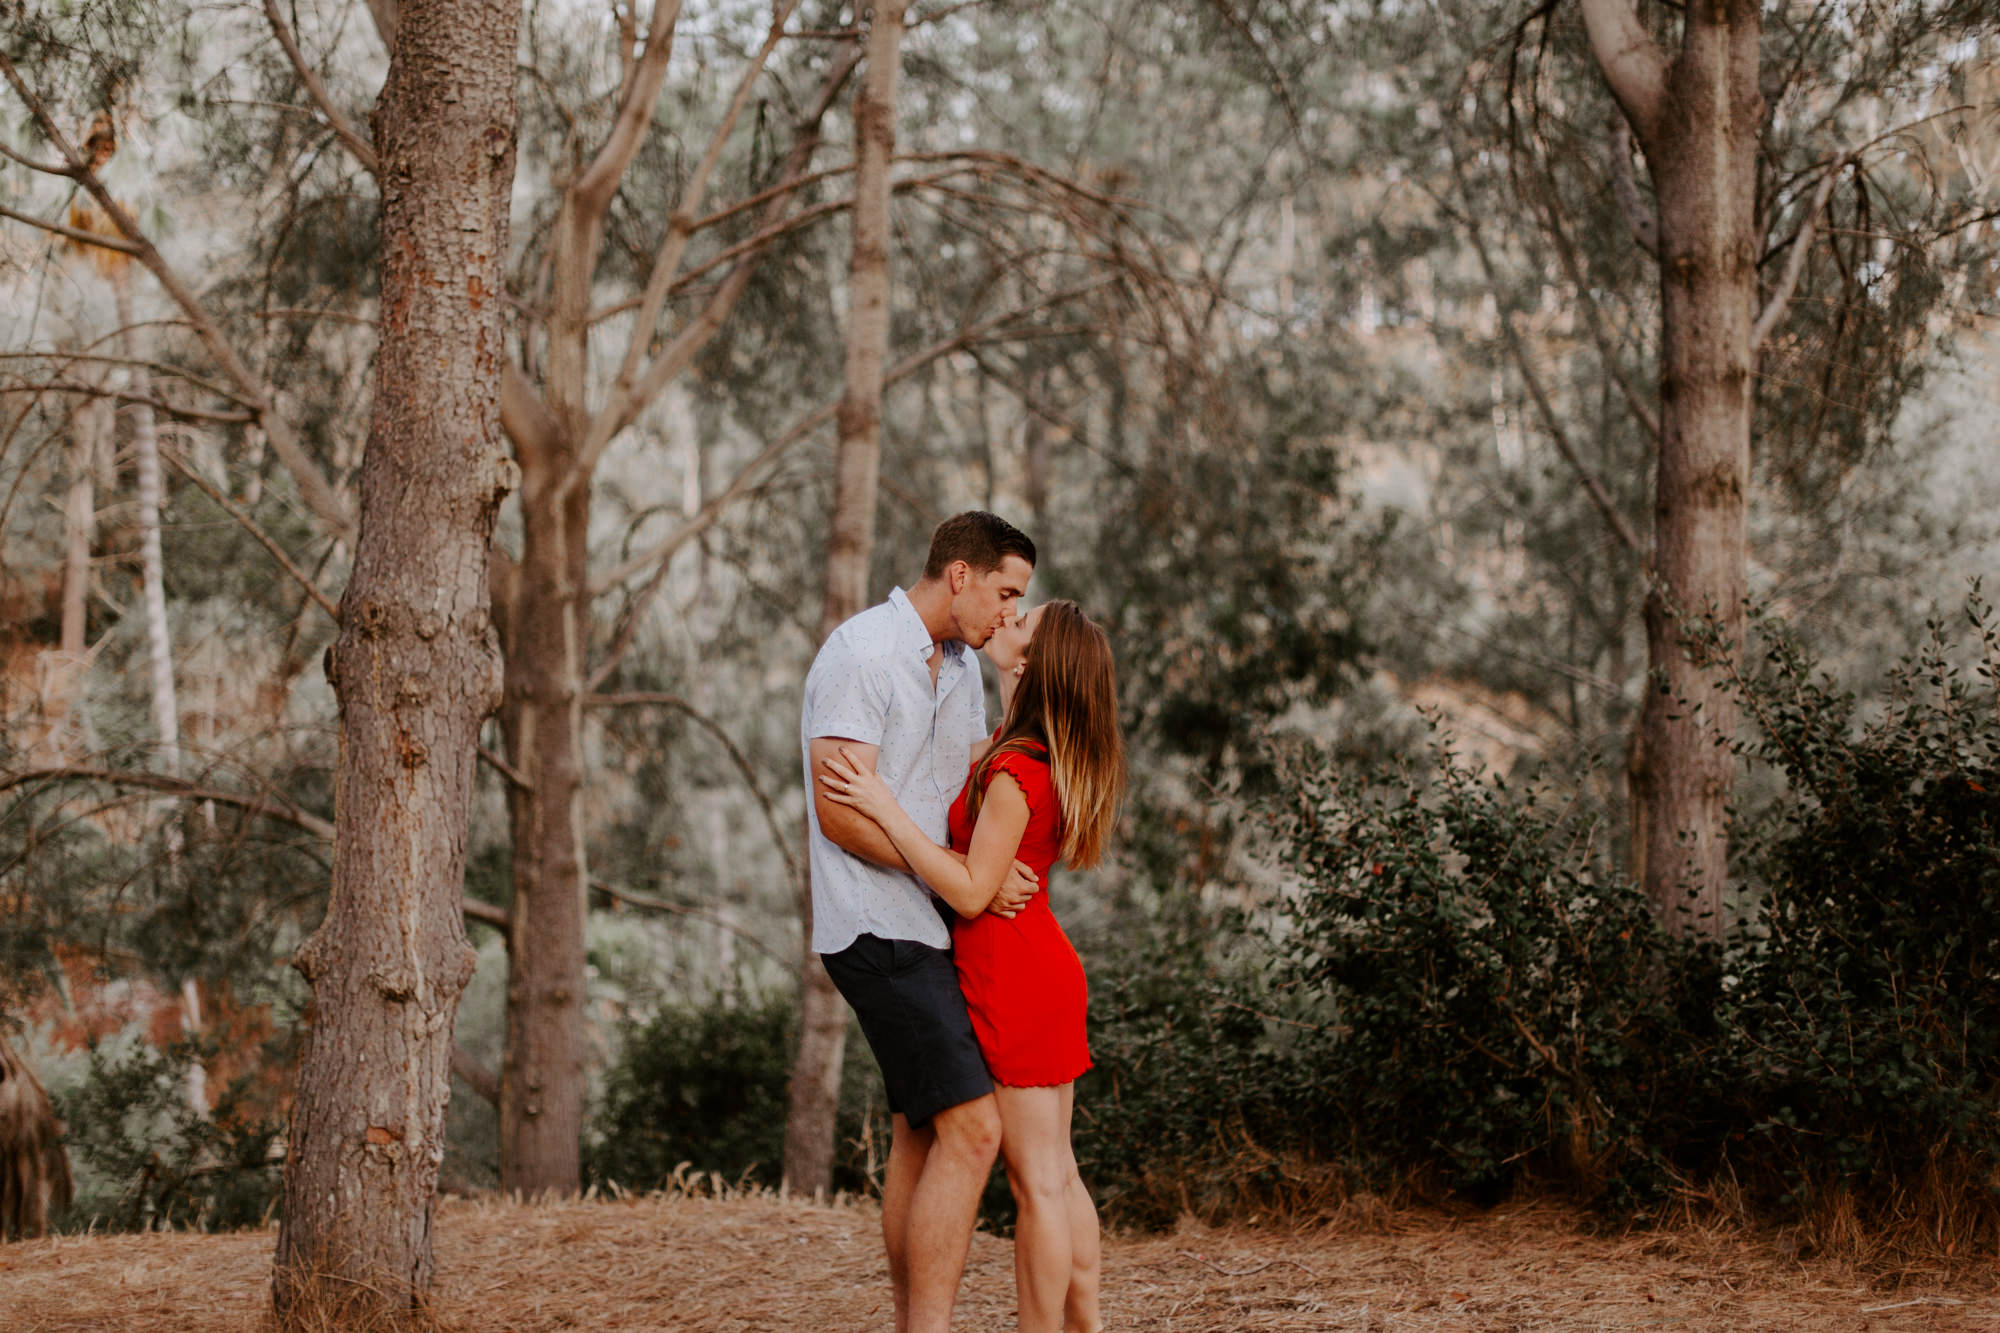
point(1023, 983)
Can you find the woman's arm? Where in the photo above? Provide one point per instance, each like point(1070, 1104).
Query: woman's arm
point(968, 885)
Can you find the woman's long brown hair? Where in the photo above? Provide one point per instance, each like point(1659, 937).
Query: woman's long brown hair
point(1067, 701)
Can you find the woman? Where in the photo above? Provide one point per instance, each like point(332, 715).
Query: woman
point(1046, 788)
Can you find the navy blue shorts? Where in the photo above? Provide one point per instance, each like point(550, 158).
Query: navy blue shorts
point(906, 995)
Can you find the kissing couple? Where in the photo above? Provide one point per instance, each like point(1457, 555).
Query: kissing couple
point(931, 845)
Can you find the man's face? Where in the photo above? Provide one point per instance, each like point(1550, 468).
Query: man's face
point(982, 603)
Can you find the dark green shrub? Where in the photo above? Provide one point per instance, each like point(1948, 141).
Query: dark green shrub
point(1490, 999)
point(145, 1159)
point(1190, 1105)
point(1864, 1009)
point(706, 1086)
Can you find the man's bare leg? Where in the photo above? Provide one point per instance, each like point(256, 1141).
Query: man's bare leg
point(907, 1151)
point(943, 1208)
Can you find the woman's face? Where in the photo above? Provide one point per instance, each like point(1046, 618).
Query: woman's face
point(1007, 650)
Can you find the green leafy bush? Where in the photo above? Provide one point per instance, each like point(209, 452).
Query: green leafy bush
point(1864, 1009)
point(1490, 998)
point(145, 1159)
point(706, 1086)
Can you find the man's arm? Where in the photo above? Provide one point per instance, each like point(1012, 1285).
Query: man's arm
point(852, 831)
point(844, 826)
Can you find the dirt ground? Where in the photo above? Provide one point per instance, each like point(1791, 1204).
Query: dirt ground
point(757, 1262)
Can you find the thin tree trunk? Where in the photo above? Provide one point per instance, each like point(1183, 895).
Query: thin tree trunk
point(415, 670)
point(152, 568)
point(542, 1071)
point(1697, 121)
point(814, 1094)
point(61, 683)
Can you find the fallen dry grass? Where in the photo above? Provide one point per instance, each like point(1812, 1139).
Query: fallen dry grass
point(758, 1262)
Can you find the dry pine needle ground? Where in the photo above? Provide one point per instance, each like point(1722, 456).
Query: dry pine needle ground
point(756, 1262)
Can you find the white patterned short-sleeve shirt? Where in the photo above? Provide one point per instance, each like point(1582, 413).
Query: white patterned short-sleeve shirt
point(872, 683)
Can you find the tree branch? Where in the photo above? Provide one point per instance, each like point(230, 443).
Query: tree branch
point(76, 234)
point(742, 762)
point(705, 517)
point(483, 1082)
point(1644, 222)
point(593, 188)
point(680, 227)
point(314, 489)
point(1630, 61)
point(504, 769)
point(249, 525)
point(1795, 262)
point(653, 904)
point(476, 910)
point(160, 782)
point(623, 409)
point(363, 151)
point(1600, 494)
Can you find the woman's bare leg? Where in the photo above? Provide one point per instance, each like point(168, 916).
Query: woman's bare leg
point(1080, 1309)
point(1035, 1144)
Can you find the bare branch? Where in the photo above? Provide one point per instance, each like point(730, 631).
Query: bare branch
point(386, 14)
point(1631, 62)
point(249, 525)
point(363, 151)
point(478, 911)
point(680, 227)
point(160, 782)
point(593, 188)
point(680, 353)
point(1593, 485)
point(484, 1083)
point(1795, 262)
point(506, 770)
point(314, 489)
point(653, 904)
point(1644, 222)
point(742, 762)
point(711, 510)
point(76, 234)
point(47, 168)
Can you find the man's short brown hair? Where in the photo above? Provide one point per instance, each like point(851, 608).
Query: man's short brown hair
point(980, 539)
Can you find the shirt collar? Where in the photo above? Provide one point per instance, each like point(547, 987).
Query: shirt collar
point(913, 636)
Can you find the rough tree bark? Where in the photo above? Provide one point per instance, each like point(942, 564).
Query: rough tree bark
point(34, 1164)
point(415, 669)
point(814, 1094)
point(1697, 120)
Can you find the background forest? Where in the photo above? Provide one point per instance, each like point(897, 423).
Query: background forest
point(1319, 347)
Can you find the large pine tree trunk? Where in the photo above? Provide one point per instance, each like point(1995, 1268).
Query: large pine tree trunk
point(1698, 121)
point(814, 1095)
point(415, 669)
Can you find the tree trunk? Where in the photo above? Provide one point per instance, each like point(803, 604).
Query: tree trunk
point(1697, 121)
point(415, 670)
point(61, 683)
point(34, 1164)
point(542, 1072)
point(814, 1095)
point(146, 464)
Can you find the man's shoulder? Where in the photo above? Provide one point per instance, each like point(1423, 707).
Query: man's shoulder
point(861, 645)
point(863, 637)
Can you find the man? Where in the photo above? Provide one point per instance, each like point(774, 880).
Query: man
point(899, 686)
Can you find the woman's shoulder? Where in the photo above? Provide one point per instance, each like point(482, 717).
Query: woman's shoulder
point(1027, 762)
